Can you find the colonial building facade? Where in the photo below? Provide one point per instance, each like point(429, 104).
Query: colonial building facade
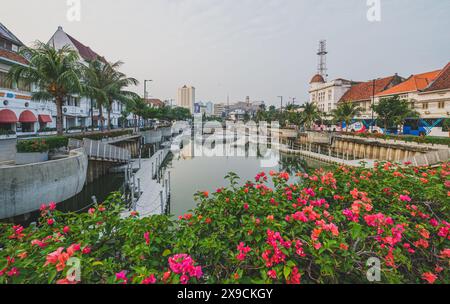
point(364, 94)
point(18, 113)
point(81, 111)
point(327, 94)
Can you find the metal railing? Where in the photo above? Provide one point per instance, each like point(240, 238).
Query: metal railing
point(100, 150)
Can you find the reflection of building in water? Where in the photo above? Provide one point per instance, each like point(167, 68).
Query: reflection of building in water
point(187, 152)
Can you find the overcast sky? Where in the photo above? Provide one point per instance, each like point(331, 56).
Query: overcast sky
point(260, 48)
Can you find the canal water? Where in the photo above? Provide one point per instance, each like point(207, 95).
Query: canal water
point(190, 173)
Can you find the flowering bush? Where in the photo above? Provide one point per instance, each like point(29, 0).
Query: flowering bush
point(322, 229)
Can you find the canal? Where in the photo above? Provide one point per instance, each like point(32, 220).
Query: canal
point(190, 173)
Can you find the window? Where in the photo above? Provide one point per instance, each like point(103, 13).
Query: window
point(425, 106)
point(23, 86)
point(5, 44)
point(4, 83)
point(329, 94)
point(441, 104)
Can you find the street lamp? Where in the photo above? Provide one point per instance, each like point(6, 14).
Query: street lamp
point(373, 104)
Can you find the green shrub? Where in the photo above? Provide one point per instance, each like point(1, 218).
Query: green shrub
point(322, 228)
point(33, 145)
point(42, 144)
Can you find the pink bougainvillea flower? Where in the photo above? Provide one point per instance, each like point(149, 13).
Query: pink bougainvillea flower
point(429, 277)
point(66, 229)
point(246, 206)
point(86, 250)
point(405, 198)
point(52, 206)
point(272, 274)
point(14, 272)
point(147, 237)
point(73, 248)
point(122, 277)
point(50, 222)
point(149, 280)
point(294, 277)
point(445, 254)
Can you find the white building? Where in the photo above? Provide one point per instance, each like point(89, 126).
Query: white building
point(186, 98)
point(18, 113)
point(77, 110)
point(326, 95)
point(219, 109)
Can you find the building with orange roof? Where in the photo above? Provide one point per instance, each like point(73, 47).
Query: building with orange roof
point(427, 92)
point(362, 94)
point(429, 95)
point(434, 100)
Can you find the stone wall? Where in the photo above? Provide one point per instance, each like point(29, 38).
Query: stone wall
point(25, 188)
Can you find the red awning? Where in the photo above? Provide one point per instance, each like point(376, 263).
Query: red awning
point(27, 116)
point(7, 116)
point(44, 118)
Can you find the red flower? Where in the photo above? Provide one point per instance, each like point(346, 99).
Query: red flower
point(272, 274)
point(429, 277)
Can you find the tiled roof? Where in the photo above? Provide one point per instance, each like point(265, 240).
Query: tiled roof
point(364, 90)
point(317, 79)
point(412, 84)
point(154, 102)
point(12, 56)
point(442, 81)
point(86, 52)
point(7, 34)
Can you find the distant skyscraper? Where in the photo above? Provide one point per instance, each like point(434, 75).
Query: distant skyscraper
point(186, 98)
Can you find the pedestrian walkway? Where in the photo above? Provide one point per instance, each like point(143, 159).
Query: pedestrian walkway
point(152, 185)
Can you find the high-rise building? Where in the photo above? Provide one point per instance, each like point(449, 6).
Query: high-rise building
point(186, 97)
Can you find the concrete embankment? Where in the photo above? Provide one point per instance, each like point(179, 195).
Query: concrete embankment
point(25, 188)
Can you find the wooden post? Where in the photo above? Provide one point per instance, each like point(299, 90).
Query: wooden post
point(162, 201)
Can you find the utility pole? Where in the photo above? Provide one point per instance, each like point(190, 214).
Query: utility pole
point(373, 104)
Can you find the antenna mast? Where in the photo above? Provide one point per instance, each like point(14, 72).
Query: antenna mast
point(322, 53)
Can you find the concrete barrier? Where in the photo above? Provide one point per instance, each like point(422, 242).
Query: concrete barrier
point(25, 188)
point(152, 136)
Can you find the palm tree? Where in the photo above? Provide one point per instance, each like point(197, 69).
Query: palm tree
point(55, 73)
point(310, 114)
point(95, 80)
point(346, 112)
point(138, 107)
point(105, 84)
point(115, 90)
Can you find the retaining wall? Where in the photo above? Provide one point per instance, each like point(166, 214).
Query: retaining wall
point(25, 188)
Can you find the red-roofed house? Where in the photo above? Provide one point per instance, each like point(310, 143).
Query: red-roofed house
point(155, 103)
point(362, 94)
point(434, 100)
point(77, 110)
point(411, 89)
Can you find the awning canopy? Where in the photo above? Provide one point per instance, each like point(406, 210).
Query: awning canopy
point(27, 117)
point(44, 118)
point(7, 116)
